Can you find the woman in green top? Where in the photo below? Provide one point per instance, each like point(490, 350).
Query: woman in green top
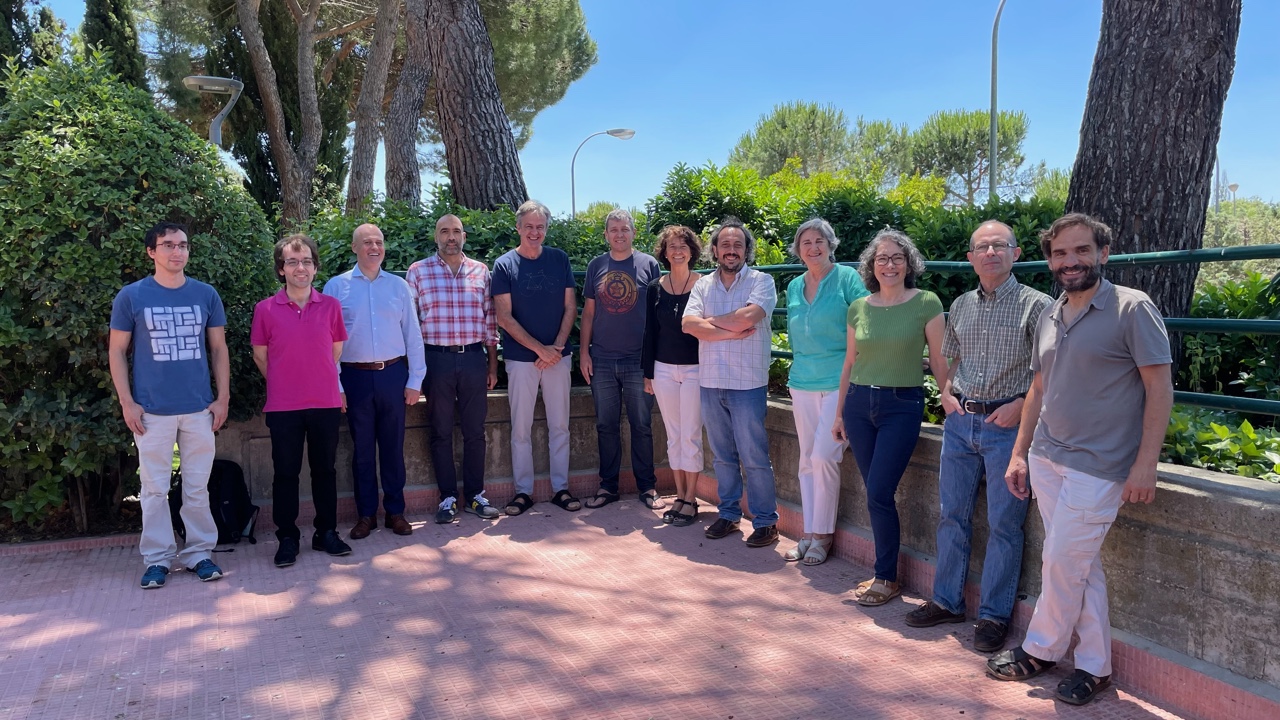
point(817, 305)
point(881, 393)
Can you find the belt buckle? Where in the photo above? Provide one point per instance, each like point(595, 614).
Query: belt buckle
point(379, 365)
point(970, 404)
point(459, 349)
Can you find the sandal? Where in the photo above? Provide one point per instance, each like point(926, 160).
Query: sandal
point(670, 514)
point(818, 550)
point(862, 588)
point(566, 501)
point(879, 593)
point(1016, 664)
point(1080, 687)
point(796, 553)
point(652, 500)
point(519, 504)
point(685, 519)
point(601, 498)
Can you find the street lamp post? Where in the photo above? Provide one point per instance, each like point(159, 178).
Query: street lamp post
point(216, 86)
point(620, 133)
point(991, 159)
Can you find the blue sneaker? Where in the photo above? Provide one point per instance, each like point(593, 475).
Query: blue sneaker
point(206, 570)
point(154, 577)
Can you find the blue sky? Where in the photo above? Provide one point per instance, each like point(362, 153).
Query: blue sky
point(690, 76)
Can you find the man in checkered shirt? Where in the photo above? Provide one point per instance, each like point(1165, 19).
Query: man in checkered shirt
point(729, 312)
point(988, 339)
point(460, 332)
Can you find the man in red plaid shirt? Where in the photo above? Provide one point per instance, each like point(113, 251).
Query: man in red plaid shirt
point(460, 333)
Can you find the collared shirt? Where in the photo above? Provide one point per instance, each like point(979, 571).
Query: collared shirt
point(301, 373)
point(992, 334)
point(381, 320)
point(817, 330)
point(734, 364)
point(453, 309)
point(1094, 397)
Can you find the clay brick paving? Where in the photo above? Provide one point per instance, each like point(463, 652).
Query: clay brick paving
point(599, 614)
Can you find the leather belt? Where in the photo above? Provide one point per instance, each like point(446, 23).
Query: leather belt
point(380, 365)
point(473, 347)
point(974, 407)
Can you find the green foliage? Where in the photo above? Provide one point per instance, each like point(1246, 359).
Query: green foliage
point(1238, 223)
point(815, 135)
point(957, 145)
point(1052, 185)
point(90, 164)
point(1233, 364)
point(701, 197)
point(1220, 441)
point(108, 25)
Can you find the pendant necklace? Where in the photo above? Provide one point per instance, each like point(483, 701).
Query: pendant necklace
point(678, 311)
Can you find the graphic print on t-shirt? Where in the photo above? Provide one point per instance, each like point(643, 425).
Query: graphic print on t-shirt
point(175, 332)
point(616, 293)
point(539, 282)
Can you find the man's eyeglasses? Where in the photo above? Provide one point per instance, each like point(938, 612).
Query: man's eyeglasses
point(171, 246)
point(887, 260)
point(984, 248)
point(292, 263)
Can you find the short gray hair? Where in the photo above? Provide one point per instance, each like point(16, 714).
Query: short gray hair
point(867, 261)
point(824, 229)
point(528, 207)
point(618, 215)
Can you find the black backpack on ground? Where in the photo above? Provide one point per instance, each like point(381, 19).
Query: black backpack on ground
point(233, 511)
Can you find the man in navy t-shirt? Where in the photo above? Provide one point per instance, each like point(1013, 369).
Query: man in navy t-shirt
point(175, 326)
point(533, 297)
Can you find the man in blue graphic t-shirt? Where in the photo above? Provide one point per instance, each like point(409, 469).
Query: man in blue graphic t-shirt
point(175, 327)
point(612, 332)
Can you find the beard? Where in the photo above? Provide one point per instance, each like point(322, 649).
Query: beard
point(1092, 274)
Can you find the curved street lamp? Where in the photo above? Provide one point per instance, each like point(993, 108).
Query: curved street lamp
point(620, 133)
point(991, 159)
point(215, 86)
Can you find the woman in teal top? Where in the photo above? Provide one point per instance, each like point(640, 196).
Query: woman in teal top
point(817, 305)
point(881, 394)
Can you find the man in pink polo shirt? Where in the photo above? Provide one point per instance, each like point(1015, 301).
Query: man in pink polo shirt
point(297, 339)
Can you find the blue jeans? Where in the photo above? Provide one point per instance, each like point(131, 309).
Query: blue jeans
point(735, 431)
point(882, 425)
point(971, 448)
point(615, 383)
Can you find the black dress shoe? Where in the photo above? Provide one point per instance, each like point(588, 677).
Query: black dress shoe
point(329, 542)
point(989, 635)
point(930, 614)
point(763, 537)
point(287, 554)
point(721, 528)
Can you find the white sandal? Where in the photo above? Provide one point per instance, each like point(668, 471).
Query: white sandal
point(799, 551)
point(817, 553)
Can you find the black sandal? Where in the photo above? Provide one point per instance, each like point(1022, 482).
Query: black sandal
point(1016, 664)
point(519, 504)
point(685, 519)
point(565, 501)
point(601, 498)
point(1080, 687)
point(652, 500)
point(670, 514)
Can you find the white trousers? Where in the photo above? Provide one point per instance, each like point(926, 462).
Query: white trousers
point(820, 454)
point(193, 434)
point(675, 387)
point(1077, 510)
point(523, 381)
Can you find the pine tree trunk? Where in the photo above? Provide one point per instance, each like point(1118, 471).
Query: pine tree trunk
point(364, 151)
point(400, 129)
point(1149, 137)
point(480, 149)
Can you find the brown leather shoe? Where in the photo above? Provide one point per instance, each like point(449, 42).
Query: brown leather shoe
point(364, 526)
point(399, 525)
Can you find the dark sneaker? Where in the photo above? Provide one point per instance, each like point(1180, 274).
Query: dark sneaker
point(154, 577)
point(448, 512)
point(930, 614)
point(206, 570)
point(721, 528)
point(287, 554)
point(989, 635)
point(329, 542)
point(480, 507)
point(763, 537)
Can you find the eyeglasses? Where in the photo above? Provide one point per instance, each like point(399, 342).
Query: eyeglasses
point(887, 260)
point(984, 248)
point(171, 246)
point(292, 263)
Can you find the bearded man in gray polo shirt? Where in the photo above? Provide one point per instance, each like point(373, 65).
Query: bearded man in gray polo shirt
point(1094, 422)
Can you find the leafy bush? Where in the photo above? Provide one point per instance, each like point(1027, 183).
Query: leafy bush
point(1234, 364)
point(89, 165)
point(1220, 441)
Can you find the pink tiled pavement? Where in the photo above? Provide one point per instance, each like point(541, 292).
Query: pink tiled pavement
point(598, 614)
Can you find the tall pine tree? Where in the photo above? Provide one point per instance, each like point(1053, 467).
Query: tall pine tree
point(108, 25)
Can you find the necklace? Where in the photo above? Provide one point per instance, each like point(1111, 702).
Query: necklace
point(677, 310)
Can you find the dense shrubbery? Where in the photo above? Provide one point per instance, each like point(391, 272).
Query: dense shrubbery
point(1242, 365)
point(89, 165)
